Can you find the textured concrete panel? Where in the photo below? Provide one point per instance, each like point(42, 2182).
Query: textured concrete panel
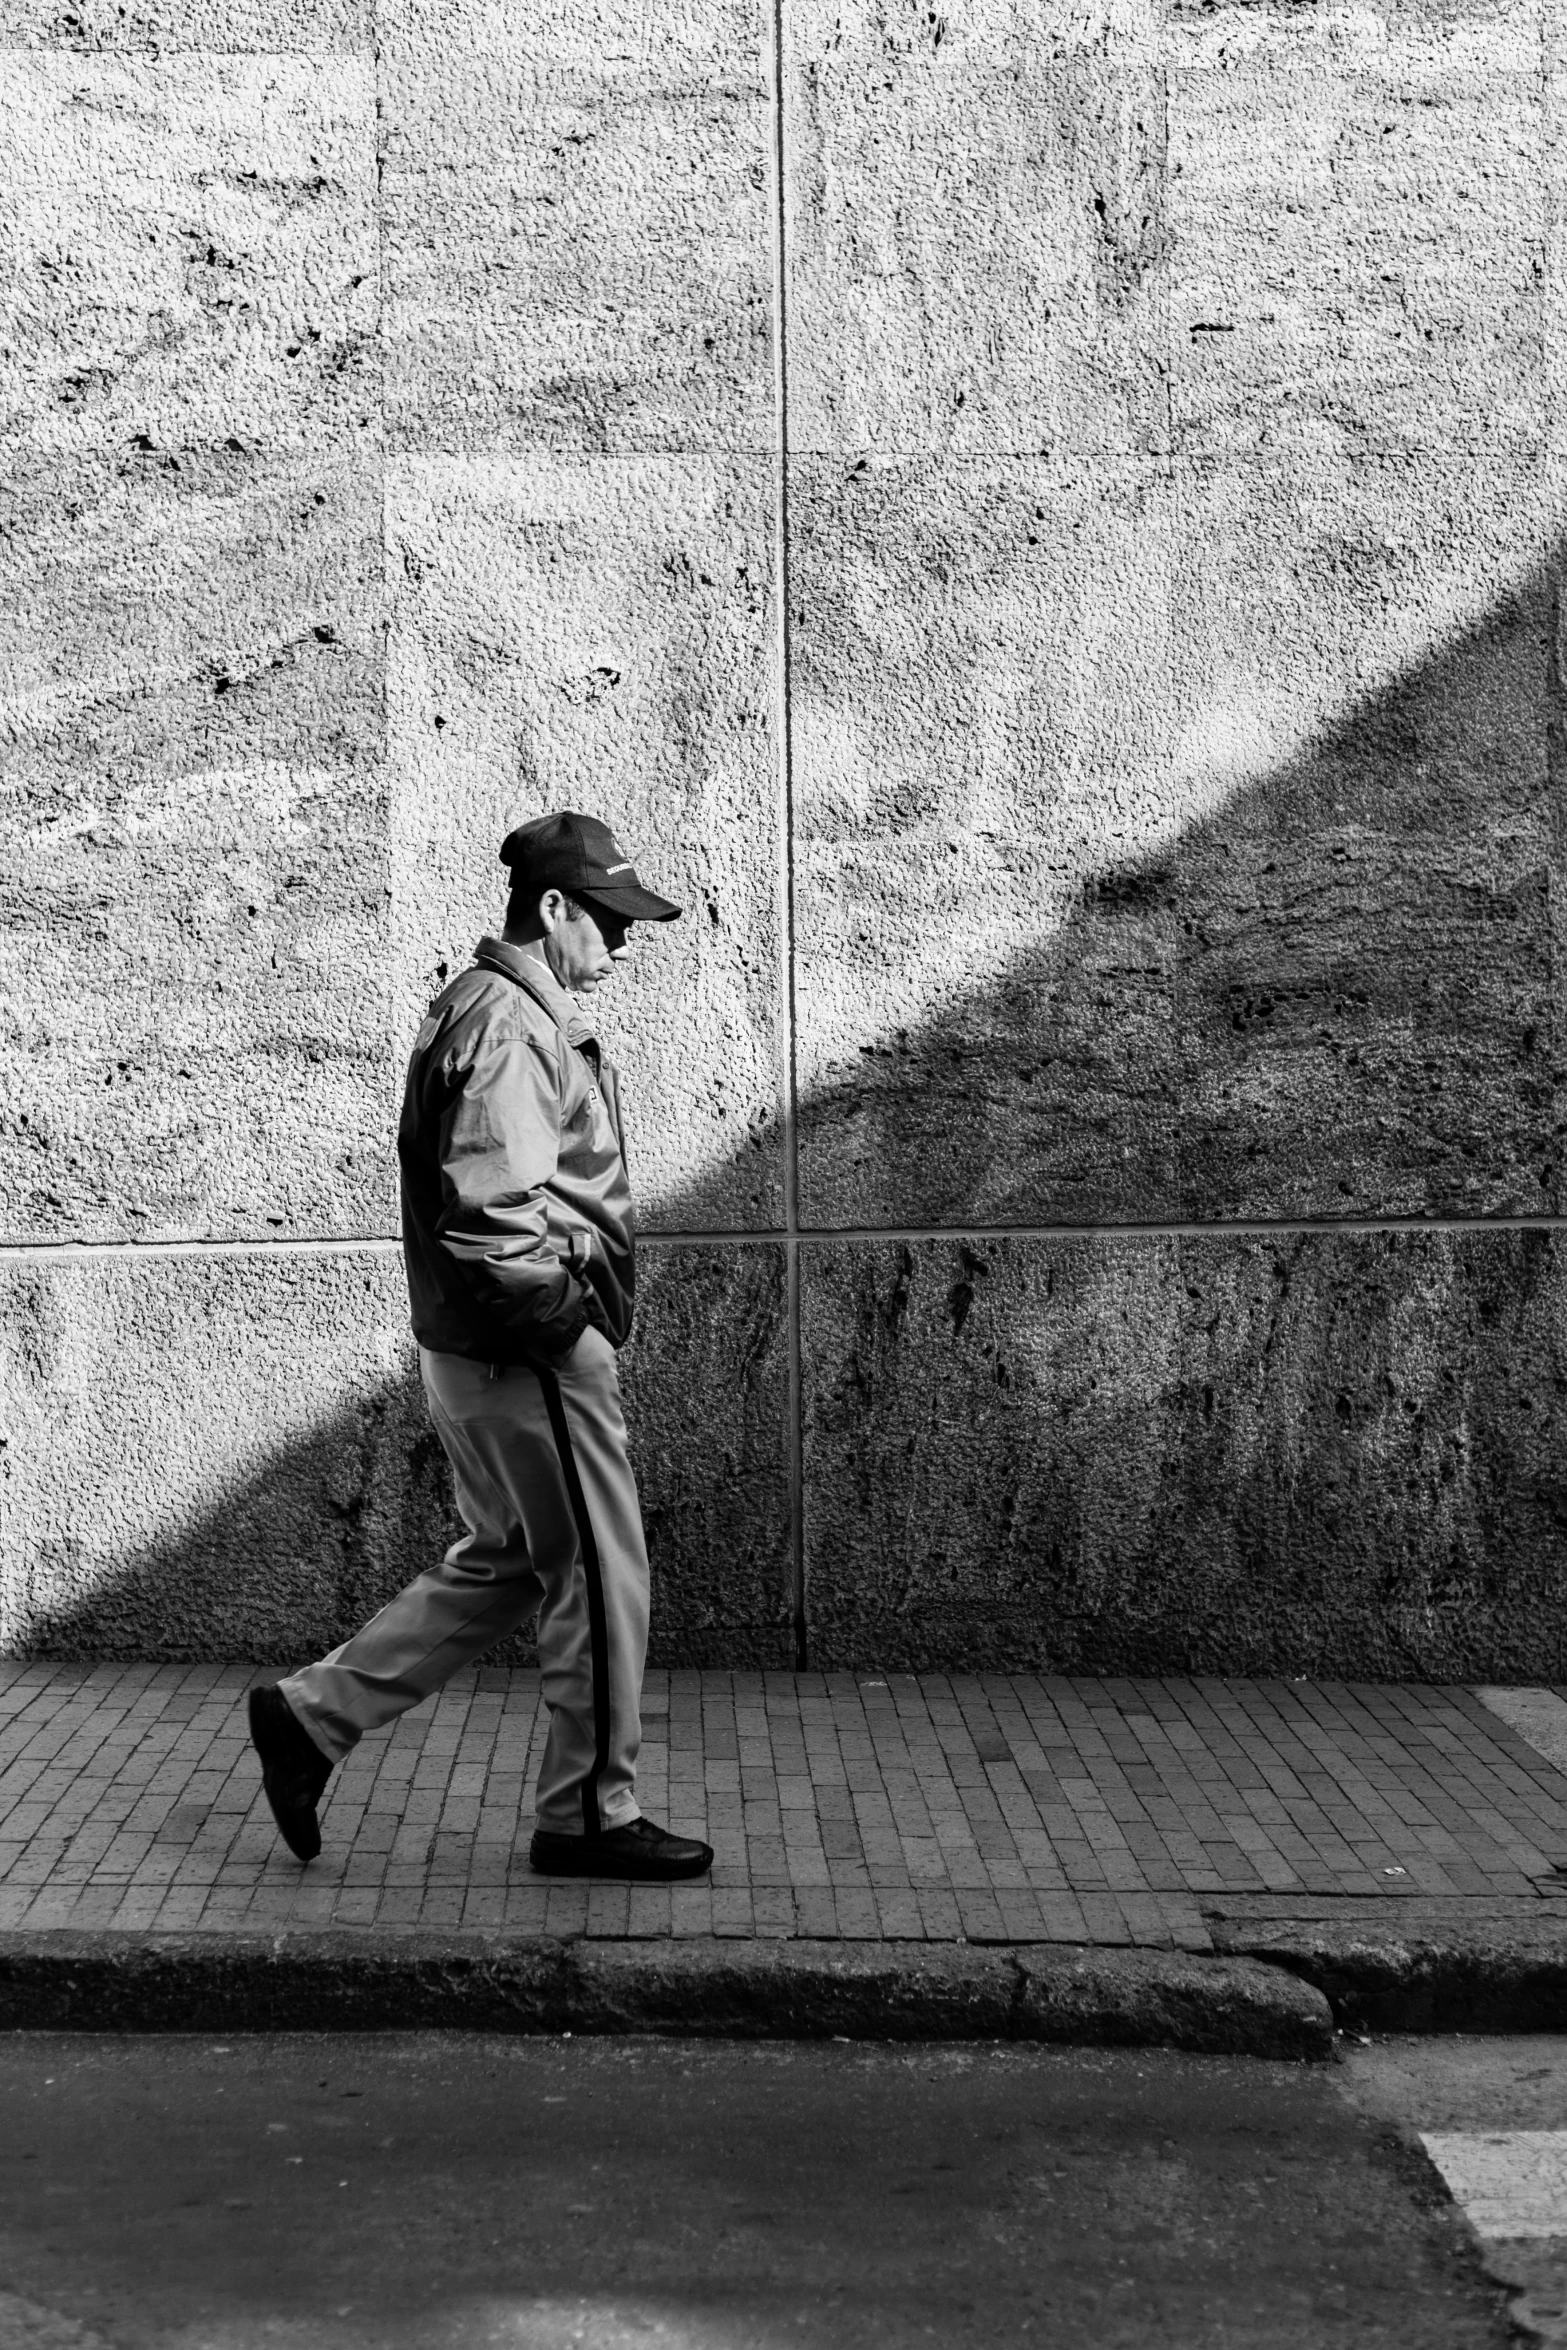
point(700, 36)
point(1174, 849)
point(598, 634)
point(976, 232)
point(1310, 1454)
point(1359, 258)
point(578, 246)
point(1368, 1035)
point(208, 1455)
point(1557, 754)
point(982, 750)
point(706, 1380)
point(191, 253)
point(228, 1455)
point(194, 951)
point(1555, 305)
point(1367, 1013)
point(1370, 35)
point(270, 26)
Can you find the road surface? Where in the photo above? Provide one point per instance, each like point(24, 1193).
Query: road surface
point(442, 2193)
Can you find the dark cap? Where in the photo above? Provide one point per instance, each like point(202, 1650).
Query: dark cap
point(581, 856)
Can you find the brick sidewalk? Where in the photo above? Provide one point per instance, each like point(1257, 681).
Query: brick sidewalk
point(988, 1809)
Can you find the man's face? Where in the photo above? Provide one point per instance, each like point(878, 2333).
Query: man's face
point(583, 949)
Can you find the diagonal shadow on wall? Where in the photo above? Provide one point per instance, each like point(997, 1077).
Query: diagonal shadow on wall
point(1304, 1449)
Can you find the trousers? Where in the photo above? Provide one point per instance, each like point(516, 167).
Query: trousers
point(545, 1490)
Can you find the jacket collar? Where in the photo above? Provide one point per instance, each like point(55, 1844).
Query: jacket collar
point(532, 972)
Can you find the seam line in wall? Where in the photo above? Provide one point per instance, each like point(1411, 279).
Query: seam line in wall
point(378, 140)
point(825, 1236)
point(786, 908)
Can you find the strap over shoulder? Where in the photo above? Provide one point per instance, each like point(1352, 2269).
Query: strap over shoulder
point(565, 1021)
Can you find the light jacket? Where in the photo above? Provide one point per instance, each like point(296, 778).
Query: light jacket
point(517, 1226)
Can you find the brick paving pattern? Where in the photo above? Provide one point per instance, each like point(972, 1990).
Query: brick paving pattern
point(997, 1808)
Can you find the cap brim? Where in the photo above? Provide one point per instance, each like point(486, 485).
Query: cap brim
point(633, 905)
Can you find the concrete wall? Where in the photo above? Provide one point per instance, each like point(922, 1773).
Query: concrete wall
point(1043, 527)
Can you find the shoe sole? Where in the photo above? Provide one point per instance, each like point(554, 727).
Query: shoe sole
point(303, 1841)
point(610, 1873)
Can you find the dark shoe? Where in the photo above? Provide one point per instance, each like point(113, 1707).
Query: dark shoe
point(648, 1855)
point(293, 1769)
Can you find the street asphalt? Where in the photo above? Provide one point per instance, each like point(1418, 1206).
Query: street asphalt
point(371, 2192)
point(1492, 2115)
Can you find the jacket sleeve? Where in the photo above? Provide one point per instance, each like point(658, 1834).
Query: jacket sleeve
point(499, 1143)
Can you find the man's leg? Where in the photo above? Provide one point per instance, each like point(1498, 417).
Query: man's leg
point(585, 1533)
point(586, 1530)
point(544, 1485)
point(485, 1586)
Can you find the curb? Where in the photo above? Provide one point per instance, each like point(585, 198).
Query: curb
point(351, 1980)
point(1509, 1977)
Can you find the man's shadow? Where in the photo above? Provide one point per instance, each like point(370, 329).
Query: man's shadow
point(1295, 1450)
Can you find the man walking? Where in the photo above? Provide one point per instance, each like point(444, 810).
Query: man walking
point(518, 1248)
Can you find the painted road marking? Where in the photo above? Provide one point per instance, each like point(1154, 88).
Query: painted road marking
point(1510, 2182)
point(1538, 1715)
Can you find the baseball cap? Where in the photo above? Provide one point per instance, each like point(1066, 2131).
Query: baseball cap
point(581, 856)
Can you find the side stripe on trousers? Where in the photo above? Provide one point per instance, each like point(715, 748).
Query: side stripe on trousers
point(598, 1626)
